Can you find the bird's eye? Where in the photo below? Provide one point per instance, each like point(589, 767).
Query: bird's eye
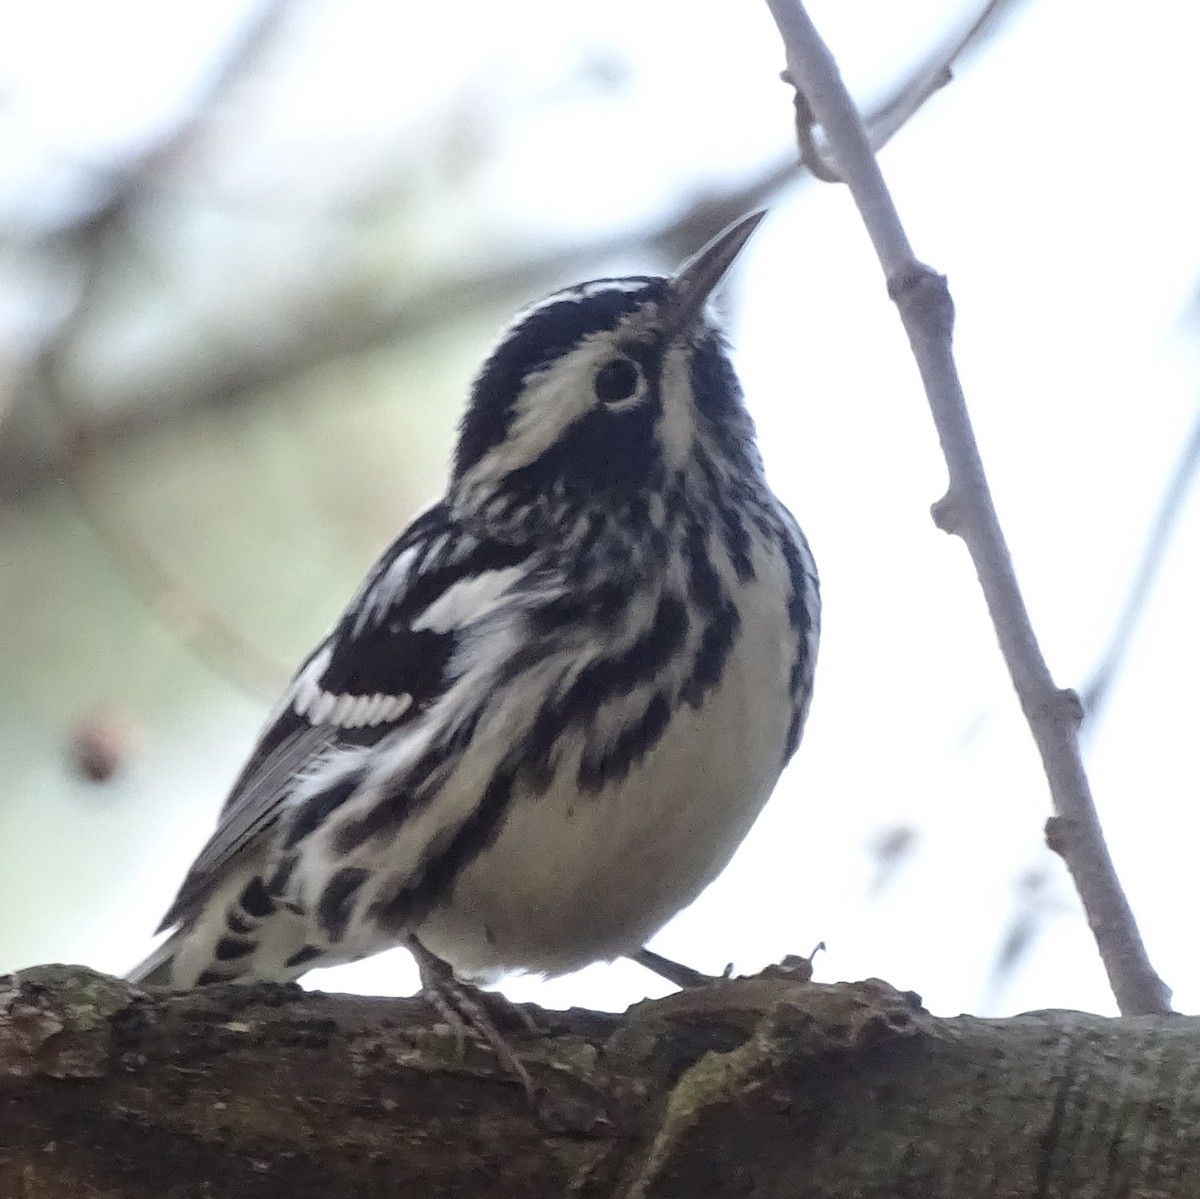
point(617, 379)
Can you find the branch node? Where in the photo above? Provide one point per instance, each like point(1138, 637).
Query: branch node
point(925, 294)
point(1069, 707)
point(927, 313)
point(1060, 832)
point(947, 513)
point(811, 155)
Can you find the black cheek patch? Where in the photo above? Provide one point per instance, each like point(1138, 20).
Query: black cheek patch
point(609, 453)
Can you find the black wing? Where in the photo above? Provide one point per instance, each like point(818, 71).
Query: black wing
point(383, 664)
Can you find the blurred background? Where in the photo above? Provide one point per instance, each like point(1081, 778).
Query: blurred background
point(252, 253)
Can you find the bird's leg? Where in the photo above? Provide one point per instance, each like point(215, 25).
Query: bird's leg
point(681, 976)
point(465, 1009)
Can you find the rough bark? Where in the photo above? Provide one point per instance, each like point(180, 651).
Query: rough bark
point(768, 1086)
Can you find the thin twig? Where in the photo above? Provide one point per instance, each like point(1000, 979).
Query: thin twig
point(1094, 694)
point(934, 73)
point(927, 312)
point(338, 320)
point(85, 242)
point(339, 326)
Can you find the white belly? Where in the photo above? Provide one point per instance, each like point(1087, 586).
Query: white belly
point(573, 877)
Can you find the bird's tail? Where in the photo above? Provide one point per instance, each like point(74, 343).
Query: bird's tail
point(158, 969)
point(219, 940)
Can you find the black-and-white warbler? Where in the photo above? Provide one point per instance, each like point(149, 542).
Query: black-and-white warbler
point(559, 700)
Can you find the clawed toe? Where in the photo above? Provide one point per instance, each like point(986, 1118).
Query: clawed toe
point(675, 972)
point(686, 978)
point(469, 1010)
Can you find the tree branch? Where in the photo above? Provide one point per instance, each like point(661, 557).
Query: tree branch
point(1054, 715)
point(83, 241)
point(333, 318)
point(345, 322)
point(767, 1086)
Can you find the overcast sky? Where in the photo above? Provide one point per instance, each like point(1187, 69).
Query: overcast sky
point(1055, 183)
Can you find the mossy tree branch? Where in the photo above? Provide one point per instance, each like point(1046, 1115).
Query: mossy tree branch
point(768, 1086)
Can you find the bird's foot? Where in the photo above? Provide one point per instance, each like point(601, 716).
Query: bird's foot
point(686, 978)
point(467, 1009)
point(680, 975)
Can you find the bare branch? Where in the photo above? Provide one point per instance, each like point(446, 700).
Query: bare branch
point(1054, 715)
point(933, 74)
point(343, 323)
point(336, 318)
point(83, 242)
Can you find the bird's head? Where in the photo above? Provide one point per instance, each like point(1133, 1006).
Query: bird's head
point(604, 393)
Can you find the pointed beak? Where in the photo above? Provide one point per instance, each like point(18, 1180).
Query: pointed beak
point(697, 279)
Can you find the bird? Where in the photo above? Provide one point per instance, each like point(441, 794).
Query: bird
point(559, 700)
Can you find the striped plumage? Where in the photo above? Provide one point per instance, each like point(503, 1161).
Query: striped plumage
point(559, 700)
